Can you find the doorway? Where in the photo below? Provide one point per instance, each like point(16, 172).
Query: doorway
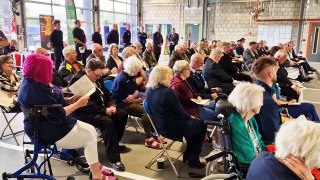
point(192, 32)
point(313, 46)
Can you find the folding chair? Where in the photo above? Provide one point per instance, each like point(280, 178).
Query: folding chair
point(13, 134)
point(165, 148)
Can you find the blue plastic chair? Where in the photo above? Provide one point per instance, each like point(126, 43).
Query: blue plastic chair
point(108, 84)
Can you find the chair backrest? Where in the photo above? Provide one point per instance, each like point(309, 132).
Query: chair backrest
point(148, 111)
point(108, 84)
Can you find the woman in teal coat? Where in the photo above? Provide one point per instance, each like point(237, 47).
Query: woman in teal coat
point(245, 137)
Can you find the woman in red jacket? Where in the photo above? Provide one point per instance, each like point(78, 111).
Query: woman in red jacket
point(183, 90)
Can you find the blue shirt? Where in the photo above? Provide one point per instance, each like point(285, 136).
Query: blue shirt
point(123, 86)
point(269, 119)
point(266, 167)
point(58, 125)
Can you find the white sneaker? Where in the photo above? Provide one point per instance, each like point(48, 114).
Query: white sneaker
point(215, 145)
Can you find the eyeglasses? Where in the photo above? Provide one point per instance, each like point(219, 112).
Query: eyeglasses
point(97, 75)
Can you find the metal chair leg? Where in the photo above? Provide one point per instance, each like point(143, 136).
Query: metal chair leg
point(10, 128)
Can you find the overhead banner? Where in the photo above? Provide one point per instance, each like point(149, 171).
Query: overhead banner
point(71, 17)
point(45, 29)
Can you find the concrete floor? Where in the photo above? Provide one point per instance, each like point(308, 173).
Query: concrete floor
point(11, 156)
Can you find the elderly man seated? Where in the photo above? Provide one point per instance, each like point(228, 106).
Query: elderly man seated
point(70, 66)
point(229, 67)
point(149, 56)
point(125, 92)
point(215, 74)
point(178, 54)
point(102, 113)
point(249, 55)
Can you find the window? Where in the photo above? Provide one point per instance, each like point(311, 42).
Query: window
point(274, 34)
point(34, 8)
point(119, 12)
point(5, 20)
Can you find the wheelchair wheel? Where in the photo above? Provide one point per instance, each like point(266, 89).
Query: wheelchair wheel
point(81, 164)
point(215, 167)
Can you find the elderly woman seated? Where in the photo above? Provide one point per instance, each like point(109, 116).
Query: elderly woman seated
point(70, 66)
point(170, 118)
point(185, 93)
point(114, 60)
point(246, 140)
point(297, 152)
point(66, 131)
point(125, 93)
point(9, 81)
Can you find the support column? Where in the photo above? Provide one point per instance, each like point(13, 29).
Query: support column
point(204, 18)
point(302, 9)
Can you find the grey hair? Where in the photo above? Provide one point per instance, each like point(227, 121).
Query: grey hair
point(299, 138)
point(180, 66)
point(216, 52)
point(132, 65)
point(67, 50)
point(178, 47)
point(127, 50)
point(111, 46)
point(246, 97)
point(280, 53)
point(149, 43)
point(158, 76)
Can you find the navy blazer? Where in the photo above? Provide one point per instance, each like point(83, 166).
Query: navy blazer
point(157, 40)
point(168, 115)
point(198, 85)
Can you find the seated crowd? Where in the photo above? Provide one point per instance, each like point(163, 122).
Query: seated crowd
point(200, 73)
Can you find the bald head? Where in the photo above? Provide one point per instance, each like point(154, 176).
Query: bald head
point(197, 61)
point(42, 51)
point(97, 49)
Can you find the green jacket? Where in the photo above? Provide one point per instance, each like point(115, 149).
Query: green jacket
point(150, 58)
point(242, 143)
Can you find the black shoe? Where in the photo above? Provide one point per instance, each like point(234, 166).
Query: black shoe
point(118, 166)
point(313, 69)
point(194, 162)
point(307, 79)
point(185, 157)
point(122, 148)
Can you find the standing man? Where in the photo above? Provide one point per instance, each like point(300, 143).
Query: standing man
point(142, 38)
point(113, 36)
point(157, 43)
point(56, 42)
point(80, 40)
point(96, 36)
point(126, 37)
point(173, 40)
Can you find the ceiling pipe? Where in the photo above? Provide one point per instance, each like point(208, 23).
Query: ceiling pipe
point(256, 17)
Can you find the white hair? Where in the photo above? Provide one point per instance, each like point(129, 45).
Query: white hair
point(180, 66)
point(126, 51)
point(246, 97)
point(158, 76)
point(216, 52)
point(178, 47)
point(149, 43)
point(132, 65)
point(280, 53)
point(67, 50)
point(299, 138)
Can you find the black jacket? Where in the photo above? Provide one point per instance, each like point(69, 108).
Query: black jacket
point(111, 63)
point(66, 70)
point(198, 85)
point(157, 40)
point(98, 101)
point(282, 77)
point(113, 37)
point(227, 65)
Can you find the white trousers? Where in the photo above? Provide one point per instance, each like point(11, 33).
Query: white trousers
point(82, 135)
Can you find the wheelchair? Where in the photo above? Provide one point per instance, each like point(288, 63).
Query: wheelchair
point(32, 169)
point(222, 163)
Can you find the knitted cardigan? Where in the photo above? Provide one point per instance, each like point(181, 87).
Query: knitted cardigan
point(242, 143)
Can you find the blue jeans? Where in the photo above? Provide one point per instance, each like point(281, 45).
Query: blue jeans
point(211, 104)
point(306, 109)
point(207, 114)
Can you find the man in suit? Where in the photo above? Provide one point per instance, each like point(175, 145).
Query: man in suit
point(215, 74)
point(173, 40)
point(113, 36)
point(142, 38)
point(196, 81)
point(126, 37)
point(101, 112)
point(157, 43)
point(240, 48)
point(249, 56)
point(229, 67)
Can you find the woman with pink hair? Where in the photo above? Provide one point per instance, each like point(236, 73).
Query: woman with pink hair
point(66, 131)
